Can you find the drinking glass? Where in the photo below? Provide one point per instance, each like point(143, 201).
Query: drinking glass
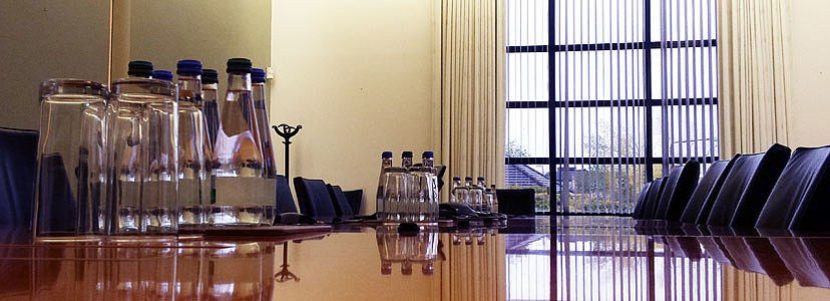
point(142, 157)
point(68, 196)
point(397, 195)
point(425, 194)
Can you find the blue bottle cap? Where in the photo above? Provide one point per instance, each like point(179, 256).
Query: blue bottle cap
point(456, 178)
point(468, 178)
point(257, 75)
point(189, 67)
point(386, 155)
point(407, 154)
point(162, 75)
point(210, 76)
point(140, 68)
point(428, 154)
point(239, 65)
point(480, 179)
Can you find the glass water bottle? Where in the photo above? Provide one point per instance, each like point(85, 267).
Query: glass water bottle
point(69, 202)
point(210, 106)
point(194, 152)
point(426, 185)
point(240, 186)
point(261, 115)
point(263, 136)
point(385, 165)
point(459, 192)
point(142, 157)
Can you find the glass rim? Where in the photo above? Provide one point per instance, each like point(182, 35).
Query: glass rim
point(158, 86)
point(57, 86)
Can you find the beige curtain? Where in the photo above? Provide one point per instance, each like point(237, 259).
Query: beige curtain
point(472, 99)
point(753, 68)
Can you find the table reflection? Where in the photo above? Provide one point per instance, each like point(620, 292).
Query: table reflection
point(159, 271)
point(620, 259)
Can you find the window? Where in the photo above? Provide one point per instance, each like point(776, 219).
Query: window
point(609, 95)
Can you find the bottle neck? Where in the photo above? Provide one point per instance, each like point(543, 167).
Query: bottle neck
point(406, 162)
point(482, 184)
point(190, 88)
point(386, 163)
point(258, 91)
point(239, 82)
point(429, 162)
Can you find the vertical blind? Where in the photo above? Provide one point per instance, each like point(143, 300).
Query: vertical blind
point(621, 91)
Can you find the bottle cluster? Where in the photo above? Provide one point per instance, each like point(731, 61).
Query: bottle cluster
point(476, 195)
point(409, 193)
point(160, 152)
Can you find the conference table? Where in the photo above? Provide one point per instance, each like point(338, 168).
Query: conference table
point(532, 258)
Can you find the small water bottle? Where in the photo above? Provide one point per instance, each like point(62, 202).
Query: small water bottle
point(481, 189)
point(459, 192)
point(494, 205)
point(194, 152)
point(386, 163)
point(261, 115)
point(427, 180)
point(408, 207)
point(240, 188)
point(263, 136)
point(210, 108)
point(474, 195)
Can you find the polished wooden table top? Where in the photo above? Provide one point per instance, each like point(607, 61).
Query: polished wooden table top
point(596, 258)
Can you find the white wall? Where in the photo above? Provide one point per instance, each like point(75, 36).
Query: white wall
point(358, 76)
point(48, 39)
point(809, 109)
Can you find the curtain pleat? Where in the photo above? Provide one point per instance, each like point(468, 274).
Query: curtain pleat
point(754, 81)
point(471, 58)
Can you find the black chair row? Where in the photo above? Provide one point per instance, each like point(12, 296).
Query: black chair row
point(770, 191)
point(317, 199)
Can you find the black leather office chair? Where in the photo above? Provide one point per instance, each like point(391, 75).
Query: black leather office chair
point(315, 200)
point(700, 203)
point(811, 214)
point(18, 162)
point(285, 201)
point(286, 208)
point(653, 197)
point(803, 182)
point(355, 198)
point(641, 202)
point(679, 186)
point(340, 202)
point(517, 201)
point(746, 188)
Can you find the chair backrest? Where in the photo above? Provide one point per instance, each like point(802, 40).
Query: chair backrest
point(517, 201)
point(746, 188)
point(641, 201)
point(697, 211)
point(798, 183)
point(355, 198)
point(340, 202)
point(315, 200)
point(18, 162)
point(810, 215)
point(285, 201)
point(653, 197)
point(679, 186)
